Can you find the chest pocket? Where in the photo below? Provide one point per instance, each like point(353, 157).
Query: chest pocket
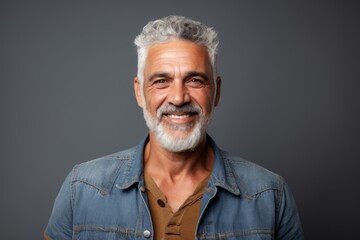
point(97, 232)
point(266, 235)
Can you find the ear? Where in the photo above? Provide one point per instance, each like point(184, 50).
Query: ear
point(218, 90)
point(137, 88)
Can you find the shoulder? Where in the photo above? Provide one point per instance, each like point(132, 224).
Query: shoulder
point(102, 172)
point(251, 178)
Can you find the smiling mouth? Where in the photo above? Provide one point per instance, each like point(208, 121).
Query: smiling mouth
point(179, 116)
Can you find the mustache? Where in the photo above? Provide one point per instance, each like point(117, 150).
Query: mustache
point(188, 108)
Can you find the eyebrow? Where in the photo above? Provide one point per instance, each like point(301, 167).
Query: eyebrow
point(188, 75)
point(197, 74)
point(158, 75)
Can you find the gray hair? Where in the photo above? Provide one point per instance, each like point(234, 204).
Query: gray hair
point(175, 27)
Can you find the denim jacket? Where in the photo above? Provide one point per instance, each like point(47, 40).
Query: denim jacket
point(105, 199)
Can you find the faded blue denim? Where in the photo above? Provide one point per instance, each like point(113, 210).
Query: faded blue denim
point(105, 199)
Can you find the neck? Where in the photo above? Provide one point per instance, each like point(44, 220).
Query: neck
point(163, 165)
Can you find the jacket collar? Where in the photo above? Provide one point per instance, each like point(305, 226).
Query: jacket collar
point(222, 174)
point(133, 169)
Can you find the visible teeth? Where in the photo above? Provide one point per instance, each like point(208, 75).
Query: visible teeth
point(178, 116)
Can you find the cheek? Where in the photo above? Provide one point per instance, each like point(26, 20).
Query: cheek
point(154, 99)
point(205, 100)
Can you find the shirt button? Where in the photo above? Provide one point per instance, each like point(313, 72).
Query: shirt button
point(146, 233)
point(161, 203)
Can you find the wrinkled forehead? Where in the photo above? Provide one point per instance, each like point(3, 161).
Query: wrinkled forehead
point(178, 53)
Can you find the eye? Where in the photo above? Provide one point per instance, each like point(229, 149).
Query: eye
point(160, 83)
point(196, 82)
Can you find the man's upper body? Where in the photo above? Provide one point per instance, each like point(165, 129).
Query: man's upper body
point(107, 199)
point(203, 192)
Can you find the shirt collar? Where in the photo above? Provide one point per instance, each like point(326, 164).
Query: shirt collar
point(222, 174)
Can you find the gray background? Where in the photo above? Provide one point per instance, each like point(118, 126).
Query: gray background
point(289, 101)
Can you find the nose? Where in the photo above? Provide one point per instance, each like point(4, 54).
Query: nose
point(178, 94)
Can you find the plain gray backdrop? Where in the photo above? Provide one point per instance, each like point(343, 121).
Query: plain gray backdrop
point(290, 98)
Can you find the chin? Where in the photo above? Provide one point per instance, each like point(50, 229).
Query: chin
point(179, 140)
point(179, 137)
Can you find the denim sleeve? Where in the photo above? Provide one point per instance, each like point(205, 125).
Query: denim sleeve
point(60, 223)
point(288, 221)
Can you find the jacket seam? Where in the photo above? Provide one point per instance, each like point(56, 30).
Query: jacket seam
point(103, 228)
point(73, 189)
point(238, 233)
point(279, 197)
point(255, 195)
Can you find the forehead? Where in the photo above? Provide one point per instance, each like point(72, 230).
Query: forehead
point(177, 53)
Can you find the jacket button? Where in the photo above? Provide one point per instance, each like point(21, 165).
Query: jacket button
point(146, 234)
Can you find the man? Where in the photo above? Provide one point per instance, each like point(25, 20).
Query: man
point(176, 184)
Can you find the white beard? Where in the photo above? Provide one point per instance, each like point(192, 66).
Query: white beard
point(164, 136)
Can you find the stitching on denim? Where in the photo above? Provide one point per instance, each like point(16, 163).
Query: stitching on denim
point(236, 233)
point(279, 198)
point(105, 228)
point(101, 191)
point(122, 157)
point(112, 178)
point(275, 185)
point(108, 184)
point(73, 190)
point(231, 186)
point(258, 193)
point(202, 215)
point(128, 167)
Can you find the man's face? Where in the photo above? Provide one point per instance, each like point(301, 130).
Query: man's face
point(177, 94)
